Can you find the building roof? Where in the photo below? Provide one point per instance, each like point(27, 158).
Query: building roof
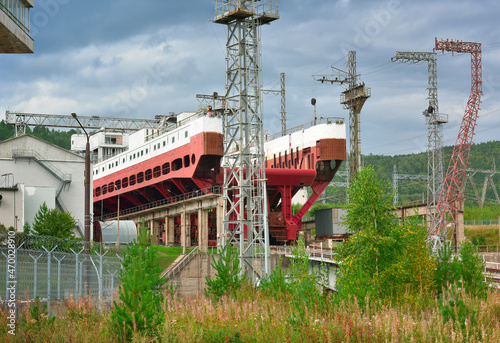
point(48, 150)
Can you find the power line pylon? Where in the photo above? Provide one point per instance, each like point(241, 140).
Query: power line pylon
point(396, 177)
point(353, 99)
point(283, 101)
point(451, 198)
point(435, 122)
point(245, 219)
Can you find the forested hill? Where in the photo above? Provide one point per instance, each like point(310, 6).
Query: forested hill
point(482, 156)
point(59, 138)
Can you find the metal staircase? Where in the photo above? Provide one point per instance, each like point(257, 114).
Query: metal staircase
point(63, 177)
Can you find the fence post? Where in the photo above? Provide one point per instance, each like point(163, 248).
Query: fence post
point(6, 276)
point(49, 279)
point(77, 274)
point(59, 276)
point(35, 274)
point(80, 286)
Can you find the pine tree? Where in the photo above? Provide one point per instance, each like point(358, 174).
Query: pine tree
point(140, 309)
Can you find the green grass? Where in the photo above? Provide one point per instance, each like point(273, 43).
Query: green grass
point(167, 255)
point(483, 236)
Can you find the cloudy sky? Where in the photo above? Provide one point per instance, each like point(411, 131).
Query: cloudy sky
point(137, 59)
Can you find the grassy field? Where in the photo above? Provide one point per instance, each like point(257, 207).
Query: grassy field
point(256, 317)
point(483, 234)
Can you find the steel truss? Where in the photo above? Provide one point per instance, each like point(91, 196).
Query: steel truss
point(245, 219)
point(435, 122)
point(450, 203)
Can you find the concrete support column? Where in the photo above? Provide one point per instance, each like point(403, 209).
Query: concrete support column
point(184, 230)
point(155, 231)
point(460, 229)
point(220, 218)
point(203, 230)
point(169, 231)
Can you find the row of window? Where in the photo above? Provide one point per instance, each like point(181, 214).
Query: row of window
point(288, 161)
point(149, 174)
point(133, 156)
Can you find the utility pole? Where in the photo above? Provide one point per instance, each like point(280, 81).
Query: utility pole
point(435, 122)
point(353, 99)
point(245, 219)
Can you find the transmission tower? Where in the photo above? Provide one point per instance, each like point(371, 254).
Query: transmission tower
point(450, 201)
point(353, 99)
point(245, 219)
point(395, 180)
point(283, 101)
point(487, 180)
point(435, 122)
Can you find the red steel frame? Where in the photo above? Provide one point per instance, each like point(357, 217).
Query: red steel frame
point(451, 196)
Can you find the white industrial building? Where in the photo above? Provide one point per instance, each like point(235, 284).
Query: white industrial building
point(33, 171)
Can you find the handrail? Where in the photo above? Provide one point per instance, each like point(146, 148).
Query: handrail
point(320, 120)
point(165, 201)
point(178, 267)
point(30, 153)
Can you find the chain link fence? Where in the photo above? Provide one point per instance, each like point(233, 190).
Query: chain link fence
point(56, 269)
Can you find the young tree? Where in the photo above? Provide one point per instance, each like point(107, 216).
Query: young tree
point(227, 280)
point(140, 309)
point(52, 222)
point(382, 257)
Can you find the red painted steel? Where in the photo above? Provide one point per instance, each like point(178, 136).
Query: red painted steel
point(451, 195)
point(164, 177)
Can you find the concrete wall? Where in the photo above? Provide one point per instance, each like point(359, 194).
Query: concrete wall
point(29, 173)
point(190, 282)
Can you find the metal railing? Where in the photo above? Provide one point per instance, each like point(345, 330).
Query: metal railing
point(477, 222)
point(320, 120)
point(180, 265)
point(165, 201)
point(18, 12)
point(29, 153)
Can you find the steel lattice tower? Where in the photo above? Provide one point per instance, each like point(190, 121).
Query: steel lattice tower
point(244, 199)
point(435, 122)
point(353, 99)
point(450, 201)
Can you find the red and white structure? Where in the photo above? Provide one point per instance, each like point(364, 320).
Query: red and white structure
point(450, 201)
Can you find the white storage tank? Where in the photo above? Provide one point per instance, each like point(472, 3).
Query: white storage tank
point(108, 231)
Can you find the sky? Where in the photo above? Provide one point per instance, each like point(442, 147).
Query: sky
point(138, 59)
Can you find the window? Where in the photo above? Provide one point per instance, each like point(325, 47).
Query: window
point(142, 152)
point(173, 139)
point(104, 189)
point(125, 182)
point(123, 160)
point(146, 150)
point(98, 191)
point(132, 180)
point(193, 159)
point(149, 174)
point(118, 184)
point(109, 140)
point(111, 187)
point(186, 161)
point(176, 164)
point(156, 171)
point(164, 143)
point(185, 134)
point(140, 177)
point(166, 168)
